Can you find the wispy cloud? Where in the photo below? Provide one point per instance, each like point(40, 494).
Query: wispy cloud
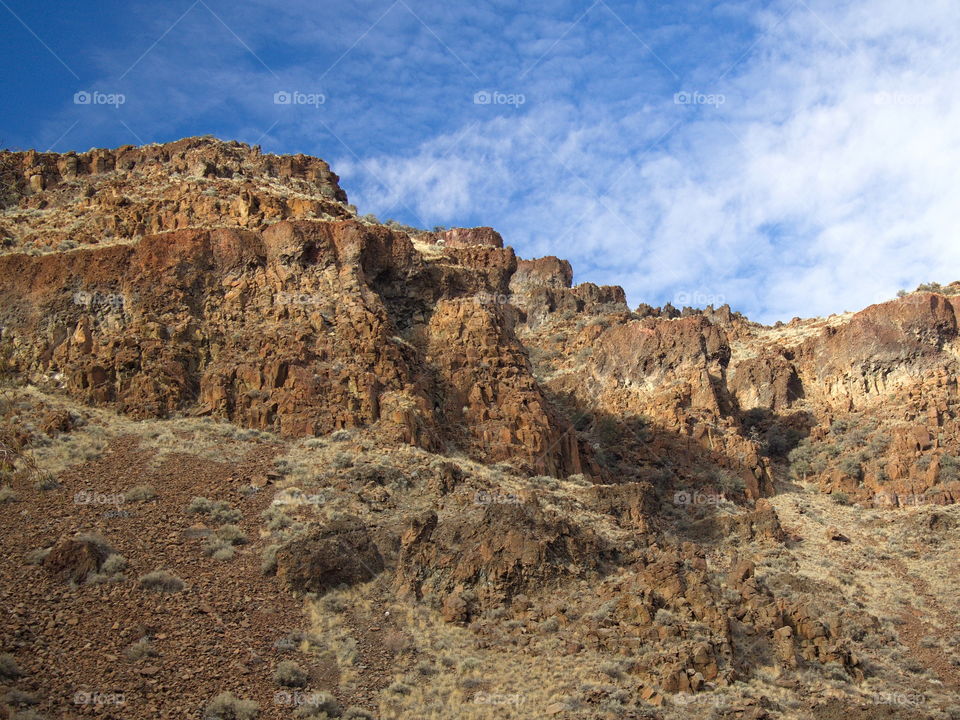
point(793, 157)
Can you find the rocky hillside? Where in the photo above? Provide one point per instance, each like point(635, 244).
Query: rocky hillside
point(316, 466)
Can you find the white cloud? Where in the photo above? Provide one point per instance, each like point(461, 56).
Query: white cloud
point(827, 180)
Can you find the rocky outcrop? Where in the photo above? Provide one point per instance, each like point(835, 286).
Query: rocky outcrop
point(544, 286)
point(105, 196)
point(466, 564)
point(296, 329)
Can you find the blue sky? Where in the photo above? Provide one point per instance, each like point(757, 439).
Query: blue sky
point(790, 158)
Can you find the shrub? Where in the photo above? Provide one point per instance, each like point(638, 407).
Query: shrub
point(161, 581)
point(142, 648)
point(232, 534)
point(140, 493)
point(220, 511)
point(7, 495)
point(224, 512)
point(850, 465)
point(356, 713)
point(227, 706)
point(46, 482)
point(289, 674)
point(36, 557)
point(20, 698)
point(268, 559)
point(321, 705)
point(199, 506)
point(949, 469)
point(218, 548)
point(840, 498)
point(9, 670)
point(114, 564)
point(27, 715)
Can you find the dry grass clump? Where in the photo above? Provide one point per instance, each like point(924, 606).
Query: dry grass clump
point(290, 674)
point(227, 706)
point(161, 581)
point(9, 670)
point(219, 511)
point(140, 493)
point(142, 648)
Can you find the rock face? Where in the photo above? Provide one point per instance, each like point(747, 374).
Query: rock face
point(305, 328)
point(343, 553)
point(104, 196)
point(583, 479)
point(213, 279)
point(473, 563)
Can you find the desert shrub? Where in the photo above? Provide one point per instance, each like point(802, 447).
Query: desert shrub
point(219, 511)
point(27, 715)
point(232, 534)
point(218, 549)
point(9, 670)
point(850, 465)
point(140, 493)
point(949, 468)
point(227, 706)
point(322, 705)
point(8, 495)
point(840, 498)
point(142, 648)
point(224, 512)
point(289, 674)
point(36, 557)
point(46, 482)
point(268, 559)
point(275, 518)
point(161, 581)
point(356, 713)
point(115, 563)
point(20, 698)
point(199, 506)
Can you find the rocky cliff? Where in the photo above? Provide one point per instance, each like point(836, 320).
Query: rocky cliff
point(465, 435)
